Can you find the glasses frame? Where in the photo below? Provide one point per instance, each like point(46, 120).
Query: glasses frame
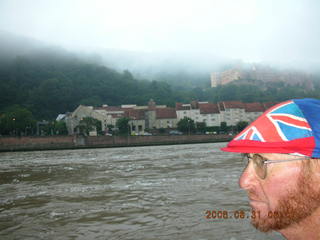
point(262, 171)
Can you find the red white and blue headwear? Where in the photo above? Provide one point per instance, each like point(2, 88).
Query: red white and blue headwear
point(289, 127)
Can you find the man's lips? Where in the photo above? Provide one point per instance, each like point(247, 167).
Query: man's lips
point(254, 199)
point(255, 202)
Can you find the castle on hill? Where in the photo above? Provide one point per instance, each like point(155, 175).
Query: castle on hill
point(261, 73)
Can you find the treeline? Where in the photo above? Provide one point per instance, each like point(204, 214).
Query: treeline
point(50, 82)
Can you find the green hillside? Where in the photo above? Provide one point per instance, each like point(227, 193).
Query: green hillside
point(48, 81)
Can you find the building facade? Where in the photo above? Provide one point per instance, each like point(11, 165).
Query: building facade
point(141, 118)
point(213, 114)
point(261, 73)
point(153, 117)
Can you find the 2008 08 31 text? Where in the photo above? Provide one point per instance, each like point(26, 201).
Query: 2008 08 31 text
point(240, 214)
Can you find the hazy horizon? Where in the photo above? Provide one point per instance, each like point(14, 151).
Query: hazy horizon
point(280, 33)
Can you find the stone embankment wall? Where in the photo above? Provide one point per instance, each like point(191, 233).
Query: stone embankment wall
point(74, 142)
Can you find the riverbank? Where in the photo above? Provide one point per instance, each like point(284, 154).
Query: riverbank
point(78, 142)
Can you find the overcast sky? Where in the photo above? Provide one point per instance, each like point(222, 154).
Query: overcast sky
point(252, 30)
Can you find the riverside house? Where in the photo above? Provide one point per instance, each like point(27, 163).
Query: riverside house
point(155, 117)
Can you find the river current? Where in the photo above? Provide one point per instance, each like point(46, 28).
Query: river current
point(143, 193)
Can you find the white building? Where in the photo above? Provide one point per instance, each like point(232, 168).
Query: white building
point(213, 114)
point(154, 116)
point(151, 116)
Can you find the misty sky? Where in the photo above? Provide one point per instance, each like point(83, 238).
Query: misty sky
point(286, 31)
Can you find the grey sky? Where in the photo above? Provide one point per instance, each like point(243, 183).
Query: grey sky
point(280, 31)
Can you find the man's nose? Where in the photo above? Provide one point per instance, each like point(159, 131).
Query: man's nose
point(248, 177)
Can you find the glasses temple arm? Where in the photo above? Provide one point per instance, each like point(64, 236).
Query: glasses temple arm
point(287, 160)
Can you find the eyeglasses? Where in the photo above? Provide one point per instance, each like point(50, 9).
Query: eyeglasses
point(260, 163)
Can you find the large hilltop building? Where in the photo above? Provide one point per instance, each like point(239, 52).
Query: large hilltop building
point(225, 77)
point(261, 73)
point(155, 117)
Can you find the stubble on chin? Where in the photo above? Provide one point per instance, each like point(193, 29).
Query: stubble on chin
point(294, 207)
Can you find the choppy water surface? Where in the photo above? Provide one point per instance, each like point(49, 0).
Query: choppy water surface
point(158, 192)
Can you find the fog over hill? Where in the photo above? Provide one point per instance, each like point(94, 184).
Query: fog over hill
point(172, 67)
point(48, 80)
point(168, 67)
point(149, 37)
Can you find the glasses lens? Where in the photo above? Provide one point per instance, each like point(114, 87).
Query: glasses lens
point(259, 166)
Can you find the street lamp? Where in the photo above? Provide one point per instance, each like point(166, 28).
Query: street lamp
point(132, 121)
point(14, 125)
point(128, 126)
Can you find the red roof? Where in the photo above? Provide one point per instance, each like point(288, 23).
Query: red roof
point(206, 108)
point(109, 108)
point(254, 107)
point(166, 113)
point(268, 105)
point(117, 115)
point(136, 114)
point(233, 104)
point(179, 106)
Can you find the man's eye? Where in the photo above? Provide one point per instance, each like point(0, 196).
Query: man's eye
point(262, 161)
point(249, 159)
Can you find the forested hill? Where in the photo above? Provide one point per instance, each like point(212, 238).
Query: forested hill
point(49, 80)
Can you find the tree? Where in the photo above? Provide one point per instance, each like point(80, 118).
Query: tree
point(162, 130)
point(91, 101)
point(50, 82)
point(88, 124)
point(60, 128)
point(223, 127)
point(123, 125)
point(201, 126)
point(55, 128)
point(110, 128)
point(17, 120)
point(241, 125)
point(186, 125)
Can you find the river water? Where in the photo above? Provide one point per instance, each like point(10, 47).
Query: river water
point(154, 192)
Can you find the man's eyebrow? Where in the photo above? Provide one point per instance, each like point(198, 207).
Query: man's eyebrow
point(254, 154)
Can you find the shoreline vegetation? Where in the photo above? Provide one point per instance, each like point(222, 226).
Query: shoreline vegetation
point(9, 144)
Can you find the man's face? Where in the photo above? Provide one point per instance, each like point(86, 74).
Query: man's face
point(288, 190)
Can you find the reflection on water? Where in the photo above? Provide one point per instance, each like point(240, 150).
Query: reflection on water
point(157, 192)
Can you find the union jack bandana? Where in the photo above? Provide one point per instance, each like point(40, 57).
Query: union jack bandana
point(289, 127)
